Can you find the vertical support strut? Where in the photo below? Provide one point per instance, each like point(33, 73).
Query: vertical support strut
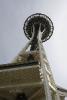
point(45, 81)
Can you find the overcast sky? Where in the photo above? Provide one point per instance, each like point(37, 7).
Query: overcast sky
point(13, 13)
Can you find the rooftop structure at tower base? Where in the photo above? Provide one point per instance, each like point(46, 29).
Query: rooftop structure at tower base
point(25, 78)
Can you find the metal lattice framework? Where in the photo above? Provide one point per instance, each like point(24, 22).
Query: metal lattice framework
point(37, 20)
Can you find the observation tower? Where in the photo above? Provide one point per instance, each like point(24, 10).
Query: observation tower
point(29, 76)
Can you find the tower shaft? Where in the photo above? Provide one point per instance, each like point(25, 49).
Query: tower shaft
point(49, 85)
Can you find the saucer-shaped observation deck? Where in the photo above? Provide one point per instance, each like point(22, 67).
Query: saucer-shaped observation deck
point(38, 20)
